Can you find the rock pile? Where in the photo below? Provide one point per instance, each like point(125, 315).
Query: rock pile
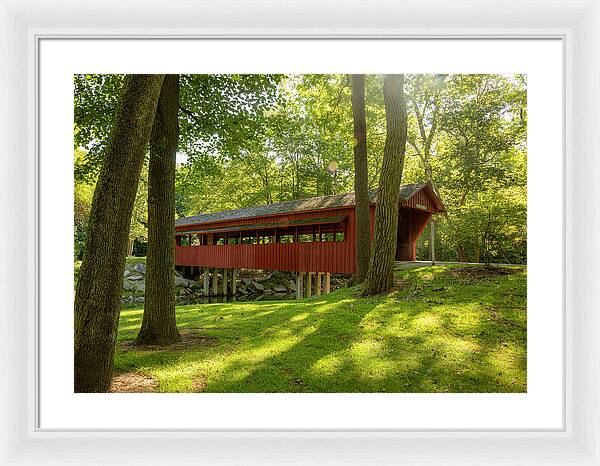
point(251, 285)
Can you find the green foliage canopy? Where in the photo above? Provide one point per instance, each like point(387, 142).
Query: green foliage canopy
point(256, 139)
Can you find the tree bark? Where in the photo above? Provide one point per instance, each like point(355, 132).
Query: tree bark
point(380, 277)
point(98, 292)
point(159, 326)
point(361, 179)
point(462, 255)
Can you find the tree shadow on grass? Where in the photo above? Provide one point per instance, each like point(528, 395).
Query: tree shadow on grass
point(337, 343)
point(244, 336)
point(280, 357)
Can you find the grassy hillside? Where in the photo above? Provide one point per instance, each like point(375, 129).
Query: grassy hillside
point(444, 329)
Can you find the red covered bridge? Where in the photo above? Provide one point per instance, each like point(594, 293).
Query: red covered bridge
point(314, 235)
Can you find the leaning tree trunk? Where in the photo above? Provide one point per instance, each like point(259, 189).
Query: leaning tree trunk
point(361, 179)
point(158, 323)
point(380, 277)
point(98, 292)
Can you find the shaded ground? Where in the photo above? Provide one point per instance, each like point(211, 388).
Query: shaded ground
point(190, 339)
point(444, 329)
point(133, 382)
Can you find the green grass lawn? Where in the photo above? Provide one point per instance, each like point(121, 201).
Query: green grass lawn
point(135, 259)
point(444, 329)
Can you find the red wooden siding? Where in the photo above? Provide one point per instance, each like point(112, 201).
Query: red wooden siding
point(317, 256)
point(325, 256)
point(420, 201)
point(418, 221)
point(331, 256)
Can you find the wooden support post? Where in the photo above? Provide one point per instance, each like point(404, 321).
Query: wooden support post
point(215, 284)
point(299, 285)
point(206, 279)
point(224, 282)
point(327, 283)
point(234, 282)
point(318, 284)
point(432, 241)
point(309, 284)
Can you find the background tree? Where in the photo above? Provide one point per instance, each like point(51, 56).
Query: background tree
point(221, 116)
point(83, 194)
point(380, 277)
point(361, 181)
point(138, 230)
point(98, 290)
point(479, 149)
point(159, 326)
point(302, 148)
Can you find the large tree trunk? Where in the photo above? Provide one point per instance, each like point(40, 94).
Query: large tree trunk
point(98, 292)
point(158, 324)
point(361, 179)
point(380, 277)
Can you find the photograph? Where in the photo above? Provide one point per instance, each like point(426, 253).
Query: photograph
point(300, 233)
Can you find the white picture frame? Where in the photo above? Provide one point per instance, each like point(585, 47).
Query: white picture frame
point(22, 24)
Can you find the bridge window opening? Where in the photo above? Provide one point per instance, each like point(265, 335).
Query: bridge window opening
point(306, 234)
point(266, 237)
point(283, 235)
point(327, 237)
point(248, 238)
point(286, 238)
